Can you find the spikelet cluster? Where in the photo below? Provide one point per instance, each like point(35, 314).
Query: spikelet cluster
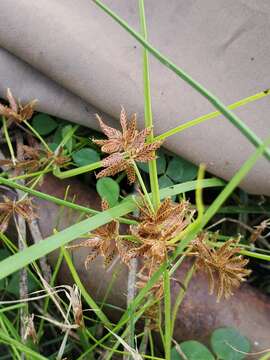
point(226, 269)
point(125, 147)
point(10, 208)
point(153, 235)
point(15, 112)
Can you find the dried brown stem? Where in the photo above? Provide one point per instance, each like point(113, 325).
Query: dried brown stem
point(21, 228)
point(37, 237)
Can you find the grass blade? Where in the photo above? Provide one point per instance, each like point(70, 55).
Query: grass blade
point(53, 242)
point(167, 314)
point(148, 109)
point(195, 227)
point(55, 200)
point(189, 186)
point(235, 181)
point(239, 124)
point(17, 344)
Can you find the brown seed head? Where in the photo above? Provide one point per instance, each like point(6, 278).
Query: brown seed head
point(125, 147)
point(16, 112)
point(76, 303)
point(30, 331)
point(154, 231)
point(224, 267)
point(103, 241)
point(59, 159)
point(9, 208)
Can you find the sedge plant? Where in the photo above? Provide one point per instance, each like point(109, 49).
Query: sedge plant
point(162, 235)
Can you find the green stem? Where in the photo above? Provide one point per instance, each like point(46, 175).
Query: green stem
point(239, 124)
point(198, 193)
point(256, 255)
point(10, 147)
point(99, 313)
point(167, 314)
point(139, 177)
point(211, 115)
point(152, 164)
point(11, 307)
point(129, 238)
point(66, 138)
point(37, 136)
point(180, 296)
point(57, 201)
point(265, 357)
point(120, 324)
point(53, 242)
point(36, 181)
point(5, 330)
point(23, 348)
point(26, 176)
point(190, 232)
point(236, 179)
point(74, 172)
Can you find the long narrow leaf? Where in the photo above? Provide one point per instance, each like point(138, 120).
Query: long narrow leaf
point(169, 191)
point(245, 130)
point(54, 199)
point(167, 313)
point(17, 344)
point(51, 243)
point(148, 109)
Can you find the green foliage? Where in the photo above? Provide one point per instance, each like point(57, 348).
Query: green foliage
point(164, 181)
point(57, 136)
point(11, 284)
point(193, 350)
point(181, 170)
point(85, 156)
point(109, 190)
point(226, 341)
point(62, 128)
point(178, 171)
point(53, 146)
point(227, 344)
point(44, 124)
point(71, 142)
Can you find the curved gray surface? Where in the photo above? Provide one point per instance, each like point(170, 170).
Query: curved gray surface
point(28, 83)
point(224, 45)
